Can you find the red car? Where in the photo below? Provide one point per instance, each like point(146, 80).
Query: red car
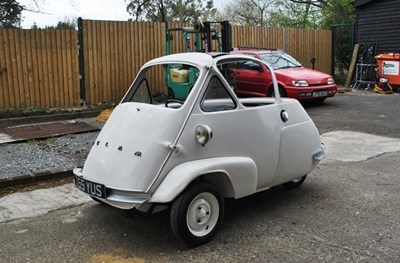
point(295, 81)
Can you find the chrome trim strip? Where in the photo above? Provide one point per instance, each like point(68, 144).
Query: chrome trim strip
point(78, 171)
point(127, 199)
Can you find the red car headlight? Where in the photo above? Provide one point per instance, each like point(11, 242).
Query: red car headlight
point(300, 83)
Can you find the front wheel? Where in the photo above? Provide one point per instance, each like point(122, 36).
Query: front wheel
point(282, 92)
point(197, 213)
point(294, 183)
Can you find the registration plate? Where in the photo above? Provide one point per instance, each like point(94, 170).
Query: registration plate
point(322, 93)
point(94, 189)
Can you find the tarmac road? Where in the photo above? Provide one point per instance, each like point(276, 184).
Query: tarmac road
point(347, 210)
point(362, 111)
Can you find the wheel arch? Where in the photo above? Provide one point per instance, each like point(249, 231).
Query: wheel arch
point(280, 86)
point(233, 176)
point(222, 181)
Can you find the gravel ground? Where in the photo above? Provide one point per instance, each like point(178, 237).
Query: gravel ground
point(47, 155)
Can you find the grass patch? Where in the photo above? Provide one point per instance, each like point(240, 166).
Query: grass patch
point(32, 142)
point(70, 136)
point(51, 140)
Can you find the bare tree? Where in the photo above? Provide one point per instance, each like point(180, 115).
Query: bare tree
point(289, 13)
point(170, 10)
point(248, 12)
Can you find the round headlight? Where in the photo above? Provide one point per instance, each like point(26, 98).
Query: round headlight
point(203, 134)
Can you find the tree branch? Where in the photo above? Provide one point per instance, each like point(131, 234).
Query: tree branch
point(317, 3)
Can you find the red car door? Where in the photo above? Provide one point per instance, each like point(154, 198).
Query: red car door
point(251, 79)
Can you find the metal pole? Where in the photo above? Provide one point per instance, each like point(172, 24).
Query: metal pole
point(226, 35)
point(81, 61)
point(207, 27)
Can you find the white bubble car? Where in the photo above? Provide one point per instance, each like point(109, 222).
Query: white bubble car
point(189, 154)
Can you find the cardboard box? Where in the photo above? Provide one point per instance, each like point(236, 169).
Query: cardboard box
point(179, 75)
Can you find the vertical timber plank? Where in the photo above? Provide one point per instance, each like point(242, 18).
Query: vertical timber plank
point(4, 93)
point(112, 61)
point(39, 91)
point(23, 66)
point(75, 70)
point(50, 68)
point(95, 81)
point(68, 89)
point(15, 56)
point(56, 60)
point(10, 76)
point(103, 63)
point(30, 67)
point(107, 65)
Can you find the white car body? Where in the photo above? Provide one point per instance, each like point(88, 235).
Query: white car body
point(147, 154)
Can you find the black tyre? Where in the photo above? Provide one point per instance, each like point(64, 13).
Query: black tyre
point(197, 213)
point(282, 92)
point(171, 94)
point(294, 183)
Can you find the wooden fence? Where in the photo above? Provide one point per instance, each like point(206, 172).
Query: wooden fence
point(113, 54)
point(302, 44)
point(40, 68)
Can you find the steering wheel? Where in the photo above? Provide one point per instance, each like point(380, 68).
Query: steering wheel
point(173, 101)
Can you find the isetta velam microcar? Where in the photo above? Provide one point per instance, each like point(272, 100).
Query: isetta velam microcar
point(189, 155)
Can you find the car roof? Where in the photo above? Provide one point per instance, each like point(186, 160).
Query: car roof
point(258, 51)
point(190, 58)
point(200, 59)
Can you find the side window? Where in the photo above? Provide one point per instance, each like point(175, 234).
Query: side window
point(249, 65)
point(217, 97)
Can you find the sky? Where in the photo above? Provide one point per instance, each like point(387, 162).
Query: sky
point(53, 11)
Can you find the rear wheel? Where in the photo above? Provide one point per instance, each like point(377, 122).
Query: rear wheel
point(294, 183)
point(197, 213)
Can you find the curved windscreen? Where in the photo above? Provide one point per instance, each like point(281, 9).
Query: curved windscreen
point(161, 83)
point(280, 60)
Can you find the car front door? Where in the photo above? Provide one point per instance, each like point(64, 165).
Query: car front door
point(251, 79)
point(238, 130)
